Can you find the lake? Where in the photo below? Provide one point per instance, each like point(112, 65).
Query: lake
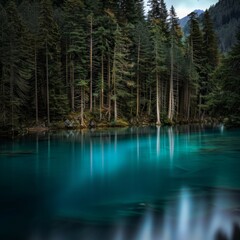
point(165, 183)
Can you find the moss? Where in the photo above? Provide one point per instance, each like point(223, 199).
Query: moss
point(120, 123)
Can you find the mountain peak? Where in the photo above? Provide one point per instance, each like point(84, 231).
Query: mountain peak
point(199, 11)
point(183, 21)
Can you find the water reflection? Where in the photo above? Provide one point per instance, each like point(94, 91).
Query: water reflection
point(135, 183)
point(189, 216)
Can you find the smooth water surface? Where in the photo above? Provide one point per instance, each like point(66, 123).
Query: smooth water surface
point(176, 183)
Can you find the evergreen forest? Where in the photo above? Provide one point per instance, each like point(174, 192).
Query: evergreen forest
point(109, 61)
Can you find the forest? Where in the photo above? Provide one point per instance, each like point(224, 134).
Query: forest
point(109, 61)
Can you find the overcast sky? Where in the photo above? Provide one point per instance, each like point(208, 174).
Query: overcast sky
point(184, 7)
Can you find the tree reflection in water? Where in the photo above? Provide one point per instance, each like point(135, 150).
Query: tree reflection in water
point(189, 216)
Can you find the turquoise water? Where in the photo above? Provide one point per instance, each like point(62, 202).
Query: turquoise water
point(177, 183)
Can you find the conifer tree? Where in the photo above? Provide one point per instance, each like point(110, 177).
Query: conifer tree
point(154, 12)
point(121, 68)
point(175, 38)
point(159, 58)
point(47, 27)
point(224, 100)
point(76, 51)
point(4, 90)
point(50, 38)
point(17, 63)
point(141, 40)
point(30, 13)
point(210, 56)
point(163, 17)
point(196, 57)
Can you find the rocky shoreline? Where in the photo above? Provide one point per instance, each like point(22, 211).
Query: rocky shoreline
point(74, 124)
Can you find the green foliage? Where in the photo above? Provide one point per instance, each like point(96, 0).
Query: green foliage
point(121, 69)
point(225, 15)
point(225, 99)
point(106, 56)
point(17, 66)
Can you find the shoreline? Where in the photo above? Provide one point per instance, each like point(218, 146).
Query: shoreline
point(99, 126)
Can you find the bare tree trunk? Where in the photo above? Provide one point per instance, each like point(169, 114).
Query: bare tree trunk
point(66, 62)
point(109, 89)
point(4, 105)
point(171, 95)
point(115, 99)
point(138, 87)
point(157, 100)
point(177, 95)
point(47, 87)
point(199, 105)
point(115, 108)
point(11, 92)
point(150, 102)
point(72, 87)
point(91, 65)
point(114, 91)
point(102, 87)
point(82, 104)
point(36, 83)
point(188, 104)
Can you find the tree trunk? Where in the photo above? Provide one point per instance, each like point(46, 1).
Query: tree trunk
point(138, 87)
point(177, 94)
point(157, 100)
point(186, 101)
point(114, 91)
point(82, 104)
point(171, 95)
point(36, 83)
point(109, 89)
point(102, 87)
point(150, 102)
point(72, 87)
point(4, 104)
point(115, 109)
point(47, 87)
point(66, 62)
point(91, 65)
point(12, 93)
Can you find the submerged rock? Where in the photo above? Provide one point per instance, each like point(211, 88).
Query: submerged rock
point(68, 123)
point(92, 124)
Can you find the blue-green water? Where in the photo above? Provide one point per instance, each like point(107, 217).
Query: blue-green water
point(177, 183)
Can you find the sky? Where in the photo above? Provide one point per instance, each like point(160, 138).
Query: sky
point(184, 7)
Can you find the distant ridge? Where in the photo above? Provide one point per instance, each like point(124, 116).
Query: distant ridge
point(226, 18)
point(183, 21)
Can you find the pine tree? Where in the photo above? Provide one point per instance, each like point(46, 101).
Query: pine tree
point(4, 90)
point(163, 17)
point(30, 13)
point(103, 36)
point(224, 100)
point(175, 36)
point(141, 59)
point(50, 38)
point(17, 64)
point(76, 51)
point(120, 69)
point(47, 27)
point(196, 57)
point(210, 56)
point(159, 58)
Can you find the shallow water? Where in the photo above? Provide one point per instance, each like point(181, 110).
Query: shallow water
point(177, 183)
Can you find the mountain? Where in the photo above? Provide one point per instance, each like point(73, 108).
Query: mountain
point(183, 21)
point(226, 18)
